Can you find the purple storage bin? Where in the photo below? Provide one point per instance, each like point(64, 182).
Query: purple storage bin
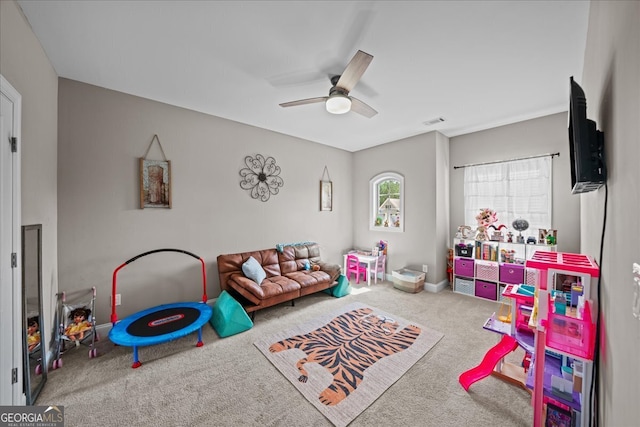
point(486, 290)
point(512, 273)
point(463, 267)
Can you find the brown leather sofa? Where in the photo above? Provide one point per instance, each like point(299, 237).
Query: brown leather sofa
point(286, 276)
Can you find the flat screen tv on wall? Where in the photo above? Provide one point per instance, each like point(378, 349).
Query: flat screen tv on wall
point(586, 145)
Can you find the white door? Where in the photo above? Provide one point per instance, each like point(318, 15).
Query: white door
point(11, 383)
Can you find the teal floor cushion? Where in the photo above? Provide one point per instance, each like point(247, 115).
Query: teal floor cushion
point(229, 318)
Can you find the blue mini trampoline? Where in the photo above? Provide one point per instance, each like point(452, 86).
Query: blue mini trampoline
point(159, 324)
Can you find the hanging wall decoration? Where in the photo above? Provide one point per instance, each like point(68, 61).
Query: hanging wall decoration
point(155, 180)
point(261, 177)
point(326, 191)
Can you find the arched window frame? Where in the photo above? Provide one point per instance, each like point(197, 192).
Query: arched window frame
point(374, 197)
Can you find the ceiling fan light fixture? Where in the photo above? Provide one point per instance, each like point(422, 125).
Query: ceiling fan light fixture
point(338, 104)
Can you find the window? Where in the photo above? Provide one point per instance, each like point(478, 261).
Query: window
point(513, 189)
point(387, 202)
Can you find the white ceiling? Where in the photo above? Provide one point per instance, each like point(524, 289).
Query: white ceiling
point(477, 64)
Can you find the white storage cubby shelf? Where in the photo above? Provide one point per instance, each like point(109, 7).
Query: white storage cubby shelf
point(484, 268)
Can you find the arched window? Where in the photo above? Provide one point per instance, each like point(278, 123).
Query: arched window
point(387, 202)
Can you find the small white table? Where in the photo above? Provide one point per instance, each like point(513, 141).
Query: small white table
point(370, 260)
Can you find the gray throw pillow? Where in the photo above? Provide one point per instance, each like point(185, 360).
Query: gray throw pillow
point(253, 270)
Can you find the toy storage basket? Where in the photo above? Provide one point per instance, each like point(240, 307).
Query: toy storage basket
point(465, 251)
point(464, 267)
point(408, 280)
point(487, 271)
point(464, 286)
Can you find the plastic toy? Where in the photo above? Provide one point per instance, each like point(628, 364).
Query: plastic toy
point(506, 345)
point(79, 323)
point(33, 333)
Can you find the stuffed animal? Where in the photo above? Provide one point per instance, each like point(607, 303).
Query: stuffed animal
point(315, 267)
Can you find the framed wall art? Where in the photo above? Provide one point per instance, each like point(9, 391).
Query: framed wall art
point(326, 192)
point(155, 180)
point(326, 195)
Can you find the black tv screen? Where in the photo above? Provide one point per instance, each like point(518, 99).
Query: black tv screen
point(586, 145)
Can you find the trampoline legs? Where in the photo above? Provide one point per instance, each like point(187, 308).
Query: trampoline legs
point(200, 343)
point(136, 362)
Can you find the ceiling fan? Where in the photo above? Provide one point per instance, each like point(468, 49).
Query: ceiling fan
point(339, 101)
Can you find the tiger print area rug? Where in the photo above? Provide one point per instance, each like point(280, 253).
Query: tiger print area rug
point(343, 361)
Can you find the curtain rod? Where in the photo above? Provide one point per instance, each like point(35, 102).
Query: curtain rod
point(510, 160)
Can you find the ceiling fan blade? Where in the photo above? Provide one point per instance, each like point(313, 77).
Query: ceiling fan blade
point(362, 108)
point(304, 101)
point(355, 69)
point(356, 29)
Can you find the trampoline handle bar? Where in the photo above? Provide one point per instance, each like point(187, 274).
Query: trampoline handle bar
point(160, 250)
point(114, 315)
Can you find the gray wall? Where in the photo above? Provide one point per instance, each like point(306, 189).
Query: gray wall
point(529, 138)
point(414, 158)
point(611, 81)
point(103, 133)
point(26, 67)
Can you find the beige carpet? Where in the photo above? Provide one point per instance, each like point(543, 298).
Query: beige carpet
point(228, 382)
point(344, 360)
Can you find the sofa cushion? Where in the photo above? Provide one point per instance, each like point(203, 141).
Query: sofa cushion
point(294, 258)
point(270, 287)
point(253, 270)
point(308, 278)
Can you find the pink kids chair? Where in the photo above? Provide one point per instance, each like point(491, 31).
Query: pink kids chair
point(379, 267)
point(354, 266)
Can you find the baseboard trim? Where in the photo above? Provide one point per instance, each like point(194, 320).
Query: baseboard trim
point(435, 287)
point(103, 330)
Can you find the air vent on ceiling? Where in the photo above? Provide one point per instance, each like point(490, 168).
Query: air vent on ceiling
point(434, 121)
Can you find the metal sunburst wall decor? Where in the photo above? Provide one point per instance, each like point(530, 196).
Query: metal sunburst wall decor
point(261, 177)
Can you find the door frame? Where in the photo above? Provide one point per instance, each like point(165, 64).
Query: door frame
point(11, 393)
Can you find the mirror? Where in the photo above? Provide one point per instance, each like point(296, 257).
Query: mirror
point(34, 343)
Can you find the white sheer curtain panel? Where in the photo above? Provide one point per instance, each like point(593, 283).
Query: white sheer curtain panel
point(513, 189)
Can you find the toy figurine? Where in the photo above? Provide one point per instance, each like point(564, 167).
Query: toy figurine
point(509, 237)
point(79, 324)
point(33, 333)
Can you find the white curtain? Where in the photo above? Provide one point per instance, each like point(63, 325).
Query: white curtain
point(513, 189)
